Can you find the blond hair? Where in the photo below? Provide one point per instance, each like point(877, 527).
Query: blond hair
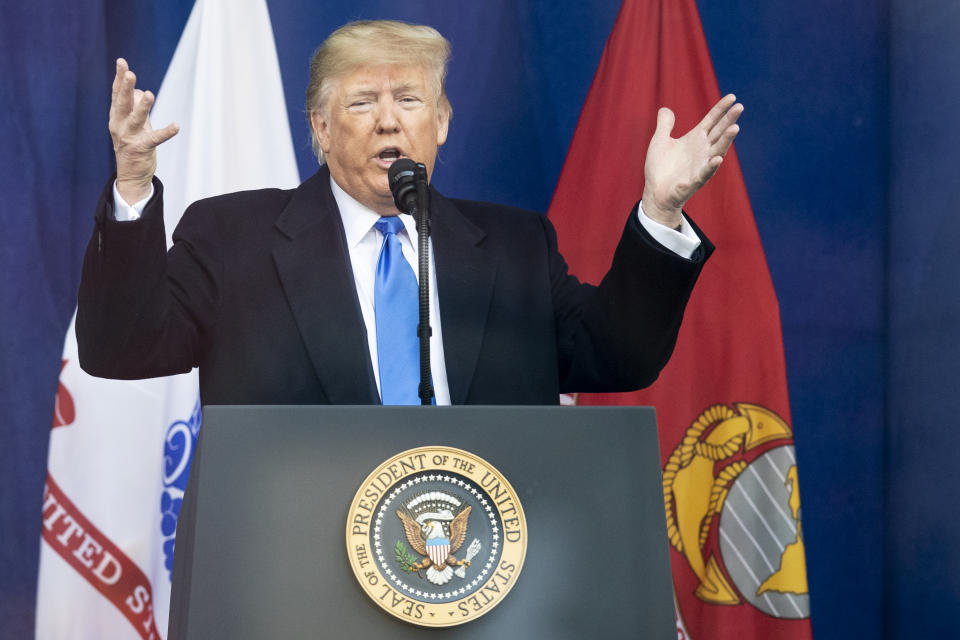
point(375, 42)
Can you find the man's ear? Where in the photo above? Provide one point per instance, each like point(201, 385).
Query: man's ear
point(321, 129)
point(443, 122)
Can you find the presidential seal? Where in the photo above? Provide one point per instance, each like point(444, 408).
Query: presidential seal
point(436, 536)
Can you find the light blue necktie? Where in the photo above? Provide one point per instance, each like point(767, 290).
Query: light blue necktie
point(396, 307)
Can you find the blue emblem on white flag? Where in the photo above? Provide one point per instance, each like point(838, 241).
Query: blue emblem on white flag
point(178, 447)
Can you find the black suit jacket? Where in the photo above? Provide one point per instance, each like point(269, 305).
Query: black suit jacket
point(258, 292)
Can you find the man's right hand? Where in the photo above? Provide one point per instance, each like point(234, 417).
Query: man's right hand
point(134, 140)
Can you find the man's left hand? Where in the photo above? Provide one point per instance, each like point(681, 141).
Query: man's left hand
point(676, 168)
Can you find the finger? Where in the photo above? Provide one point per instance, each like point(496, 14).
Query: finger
point(709, 169)
point(125, 96)
point(159, 136)
point(143, 102)
point(729, 118)
point(665, 121)
point(118, 78)
point(717, 112)
point(721, 146)
point(122, 69)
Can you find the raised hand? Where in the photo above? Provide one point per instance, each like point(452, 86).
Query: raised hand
point(677, 167)
point(134, 140)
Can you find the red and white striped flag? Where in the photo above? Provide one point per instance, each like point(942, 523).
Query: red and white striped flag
point(119, 450)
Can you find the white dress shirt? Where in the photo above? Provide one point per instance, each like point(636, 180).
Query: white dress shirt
point(364, 242)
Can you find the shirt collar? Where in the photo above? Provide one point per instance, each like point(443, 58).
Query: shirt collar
point(358, 219)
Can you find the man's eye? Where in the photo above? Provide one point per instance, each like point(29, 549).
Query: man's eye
point(360, 105)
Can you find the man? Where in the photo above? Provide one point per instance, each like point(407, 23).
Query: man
point(274, 294)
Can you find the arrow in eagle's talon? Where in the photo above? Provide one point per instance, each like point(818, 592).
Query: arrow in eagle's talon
point(472, 550)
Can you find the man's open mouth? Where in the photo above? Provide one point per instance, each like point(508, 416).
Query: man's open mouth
point(390, 154)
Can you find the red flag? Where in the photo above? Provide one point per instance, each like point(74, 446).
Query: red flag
point(729, 469)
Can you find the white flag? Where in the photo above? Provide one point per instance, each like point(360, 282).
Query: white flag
point(120, 451)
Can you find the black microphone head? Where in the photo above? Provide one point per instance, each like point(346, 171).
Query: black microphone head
point(403, 184)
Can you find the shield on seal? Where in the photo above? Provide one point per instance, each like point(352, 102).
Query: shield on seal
point(438, 549)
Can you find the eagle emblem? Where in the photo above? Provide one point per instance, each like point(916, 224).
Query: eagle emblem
point(433, 530)
point(435, 524)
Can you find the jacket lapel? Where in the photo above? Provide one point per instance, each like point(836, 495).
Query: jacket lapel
point(311, 258)
point(466, 272)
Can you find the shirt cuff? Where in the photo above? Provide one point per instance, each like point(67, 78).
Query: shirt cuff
point(123, 212)
point(682, 242)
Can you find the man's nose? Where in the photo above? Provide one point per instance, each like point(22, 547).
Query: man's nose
point(387, 117)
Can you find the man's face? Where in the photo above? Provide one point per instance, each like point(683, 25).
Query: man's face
point(374, 116)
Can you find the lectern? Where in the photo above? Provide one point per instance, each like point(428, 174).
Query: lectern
point(305, 522)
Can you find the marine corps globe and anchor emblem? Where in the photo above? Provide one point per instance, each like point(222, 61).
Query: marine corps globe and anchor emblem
point(436, 536)
point(733, 510)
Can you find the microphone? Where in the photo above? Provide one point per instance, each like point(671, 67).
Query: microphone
point(402, 177)
point(408, 184)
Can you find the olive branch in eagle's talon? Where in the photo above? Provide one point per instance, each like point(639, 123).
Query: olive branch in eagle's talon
point(406, 560)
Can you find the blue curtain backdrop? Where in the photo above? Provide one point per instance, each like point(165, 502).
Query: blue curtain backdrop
point(844, 150)
point(922, 476)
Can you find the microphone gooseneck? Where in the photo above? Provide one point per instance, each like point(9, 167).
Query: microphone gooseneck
point(424, 330)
